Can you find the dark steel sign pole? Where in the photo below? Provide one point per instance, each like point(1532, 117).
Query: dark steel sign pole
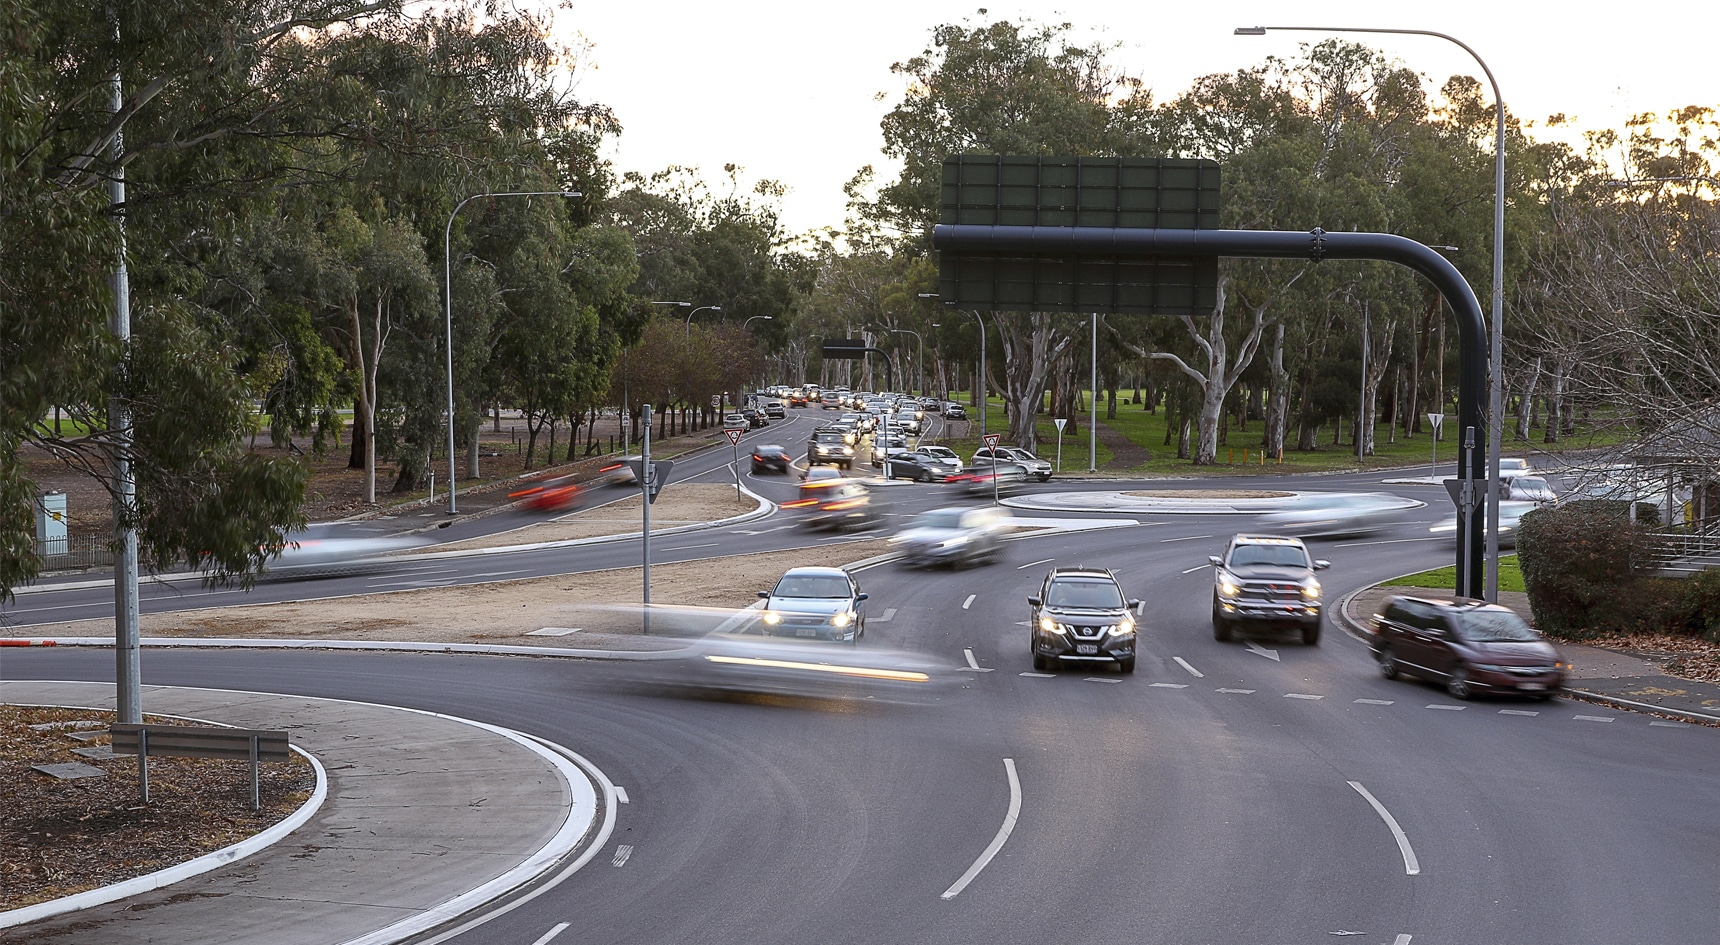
point(1050, 242)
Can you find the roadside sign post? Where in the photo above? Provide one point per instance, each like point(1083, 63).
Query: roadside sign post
point(991, 441)
point(645, 474)
point(735, 443)
point(1435, 420)
point(1061, 423)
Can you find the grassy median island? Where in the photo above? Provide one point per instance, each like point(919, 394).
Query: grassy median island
point(1510, 577)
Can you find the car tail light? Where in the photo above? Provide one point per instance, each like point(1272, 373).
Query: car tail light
point(758, 458)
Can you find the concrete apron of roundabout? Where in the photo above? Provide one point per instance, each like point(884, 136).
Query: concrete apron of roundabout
point(1191, 501)
point(425, 818)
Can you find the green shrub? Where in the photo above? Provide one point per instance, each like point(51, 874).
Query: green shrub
point(1701, 600)
point(1583, 569)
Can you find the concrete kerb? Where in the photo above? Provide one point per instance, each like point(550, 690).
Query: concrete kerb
point(173, 874)
point(1353, 629)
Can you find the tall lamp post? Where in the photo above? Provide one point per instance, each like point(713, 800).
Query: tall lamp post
point(1496, 397)
point(448, 312)
point(919, 359)
point(980, 386)
point(754, 319)
point(702, 308)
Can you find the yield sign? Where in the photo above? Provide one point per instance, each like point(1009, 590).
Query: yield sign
point(734, 437)
point(992, 439)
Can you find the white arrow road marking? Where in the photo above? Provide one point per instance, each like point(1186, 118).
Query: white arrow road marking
point(969, 602)
point(998, 841)
point(1259, 650)
point(972, 664)
point(552, 933)
point(1191, 670)
point(620, 794)
point(885, 616)
point(1402, 939)
point(622, 852)
point(1411, 866)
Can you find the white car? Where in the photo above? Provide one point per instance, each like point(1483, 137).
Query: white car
point(735, 421)
point(1511, 468)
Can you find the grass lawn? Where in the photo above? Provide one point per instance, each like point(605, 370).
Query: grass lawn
point(997, 421)
point(1510, 577)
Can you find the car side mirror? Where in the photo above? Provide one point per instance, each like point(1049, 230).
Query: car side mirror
point(764, 594)
point(1216, 561)
point(862, 596)
point(1322, 564)
point(1134, 605)
point(1033, 602)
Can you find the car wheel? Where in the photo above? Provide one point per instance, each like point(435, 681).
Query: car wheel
point(1311, 635)
point(1388, 663)
point(922, 476)
point(1126, 665)
point(1045, 478)
point(1220, 627)
point(1041, 663)
point(1458, 684)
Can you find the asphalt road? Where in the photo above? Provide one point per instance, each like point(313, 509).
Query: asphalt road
point(1218, 795)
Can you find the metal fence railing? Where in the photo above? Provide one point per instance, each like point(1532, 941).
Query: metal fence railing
point(75, 551)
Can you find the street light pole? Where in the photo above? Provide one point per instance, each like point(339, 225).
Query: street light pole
point(714, 308)
point(448, 312)
point(754, 319)
point(919, 360)
point(1093, 421)
point(1496, 394)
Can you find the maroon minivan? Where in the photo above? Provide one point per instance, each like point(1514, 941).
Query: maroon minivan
point(1470, 646)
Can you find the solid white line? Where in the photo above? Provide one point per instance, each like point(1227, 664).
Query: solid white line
point(1164, 541)
point(552, 933)
point(438, 582)
point(997, 841)
point(1198, 567)
point(1185, 665)
point(1032, 563)
point(1410, 865)
point(969, 602)
point(620, 794)
point(691, 547)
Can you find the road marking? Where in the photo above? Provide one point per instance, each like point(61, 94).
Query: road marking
point(1669, 724)
point(1448, 708)
point(1375, 702)
point(622, 852)
point(973, 664)
point(1410, 866)
point(1198, 567)
point(997, 841)
point(1259, 650)
point(761, 531)
point(1166, 541)
point(691, 547)
point(884, 617)
point(1517, 712)
point(499, 573)
point(1591, 718)
point(552, 933)
point(552, 631)
point(969, 602)
point(439, 582)
point(1301, 695)
point(1389, 541)
point(1240, 691)
point(1032, 563)
point(621, 794)
point(1402, 939)
point(1191, 670)
point(1040, 675)
point(1099, 679)
point(1168, 685)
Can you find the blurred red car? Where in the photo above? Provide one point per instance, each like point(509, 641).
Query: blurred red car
point(559, 494)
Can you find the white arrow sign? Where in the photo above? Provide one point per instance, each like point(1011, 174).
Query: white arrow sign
point(1254, 647)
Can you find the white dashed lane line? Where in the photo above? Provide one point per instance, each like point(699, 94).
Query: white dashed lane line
point(1375, 702)
point(1166, 541)
point(1517, 712)
point(1168, 685)
point(1302, 695)
point(1591, 718)
point(1100, 679)
point(969, 602)
point(1448, 708)
point(622, 853)
point(1242, 692)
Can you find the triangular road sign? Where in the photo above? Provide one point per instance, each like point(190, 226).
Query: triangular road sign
point(992, 439)
point(734, 437)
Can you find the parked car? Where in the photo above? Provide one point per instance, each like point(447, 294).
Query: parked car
point(920, 466)
point(817, 603)
point(1266, 581)
point(771, 458)
point(735, 421)
point(1080, 614)
point(1470, 646)
point(956, 537)
point(1036, 467)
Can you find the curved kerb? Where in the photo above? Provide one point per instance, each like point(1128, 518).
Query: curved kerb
point(1276, 244)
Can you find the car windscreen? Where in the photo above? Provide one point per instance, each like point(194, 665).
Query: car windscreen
point(1092, 595)
point(828, 437)
point(811, 585)
point(1495, 626)
point(1286, 556)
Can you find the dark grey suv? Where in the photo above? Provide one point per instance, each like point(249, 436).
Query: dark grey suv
point(1081, 615)
point(1265, 581)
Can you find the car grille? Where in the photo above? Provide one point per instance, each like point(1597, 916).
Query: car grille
point(1272, 592)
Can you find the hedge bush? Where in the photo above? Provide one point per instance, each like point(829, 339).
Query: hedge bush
point(1584, 567)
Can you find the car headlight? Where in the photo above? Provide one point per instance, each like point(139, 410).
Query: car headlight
point(848, 439)
point(842, 619)
point(1123, 629)
point(1311, 590)
point(772, 617)
point(1049, 625)
point(848, 450)
point(1227, 585)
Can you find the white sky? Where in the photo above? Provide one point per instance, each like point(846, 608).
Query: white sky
point(788, 90)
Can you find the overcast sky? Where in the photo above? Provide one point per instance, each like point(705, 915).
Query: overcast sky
point(789, 90)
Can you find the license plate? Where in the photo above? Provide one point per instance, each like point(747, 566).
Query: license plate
point(806, 632)
point(1532, 685)
point(1086, 649)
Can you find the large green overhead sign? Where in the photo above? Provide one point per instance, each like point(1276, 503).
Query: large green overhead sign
point(1131, 193)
